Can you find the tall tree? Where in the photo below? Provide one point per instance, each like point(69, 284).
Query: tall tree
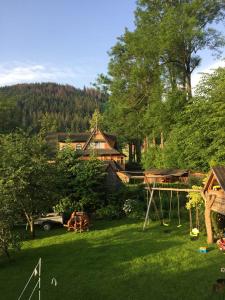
point(183, 29)
point(27, 178)
point(197, 140)
point(150, 69)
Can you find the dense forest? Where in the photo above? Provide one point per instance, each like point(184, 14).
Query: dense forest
point(49, 106)
point(151, 99)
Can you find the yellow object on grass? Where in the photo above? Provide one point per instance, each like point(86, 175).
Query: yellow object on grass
point(194, 232)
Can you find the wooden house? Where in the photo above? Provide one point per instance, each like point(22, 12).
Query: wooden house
point(215, 189)
point(95, 143)
point(166, 175)
point(214, 197)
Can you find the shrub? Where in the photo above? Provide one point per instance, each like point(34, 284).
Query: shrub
point(109, 212)
point(134, 208)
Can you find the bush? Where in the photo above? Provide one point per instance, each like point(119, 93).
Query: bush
point(134, 208)
point(109, 212)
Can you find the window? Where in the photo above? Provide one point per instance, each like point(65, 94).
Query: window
point(78, 147)
point(97, 145)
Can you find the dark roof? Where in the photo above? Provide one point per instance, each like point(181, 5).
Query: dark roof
point(219, 172)
point(100, 152)
point(74, 137)
point(111, 138)
point(133, 173)
point(166, 172)
point(81, 137)
point(113, 164)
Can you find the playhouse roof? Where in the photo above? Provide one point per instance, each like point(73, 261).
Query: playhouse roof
point(219, 173)
point(166, 172)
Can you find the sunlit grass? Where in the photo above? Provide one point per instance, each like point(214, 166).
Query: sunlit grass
point(116, 260)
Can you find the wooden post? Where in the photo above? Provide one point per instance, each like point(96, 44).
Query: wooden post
point(208, 225)
point(190, 216)
point(148, 209)
point(208, 204)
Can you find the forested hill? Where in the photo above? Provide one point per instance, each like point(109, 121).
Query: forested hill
point(48, 105)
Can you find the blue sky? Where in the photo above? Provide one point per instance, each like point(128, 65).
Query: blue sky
point(63, 41)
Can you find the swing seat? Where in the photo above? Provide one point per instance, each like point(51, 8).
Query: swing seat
point(178, 226)
point(194, 234)
point(166, 224)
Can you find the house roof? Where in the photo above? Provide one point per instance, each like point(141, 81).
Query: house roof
point(219, 172)
point(74, 137)
point(110, 139)
point(113, 164)
point(166, 172)
point(99, 152)
point(83, 137)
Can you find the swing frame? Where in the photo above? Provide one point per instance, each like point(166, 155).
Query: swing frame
point(151, 200)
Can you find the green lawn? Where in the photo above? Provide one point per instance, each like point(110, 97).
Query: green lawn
point(116, 260)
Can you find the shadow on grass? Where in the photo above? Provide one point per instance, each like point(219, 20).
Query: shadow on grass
point(122, 264)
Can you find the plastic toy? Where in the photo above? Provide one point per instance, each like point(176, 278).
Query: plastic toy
point(203, 250)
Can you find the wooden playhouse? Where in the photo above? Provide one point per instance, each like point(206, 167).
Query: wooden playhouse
point(214, 196)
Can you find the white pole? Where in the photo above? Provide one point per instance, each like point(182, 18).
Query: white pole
point(149, 204)
point(34, 273)
point(39, 280)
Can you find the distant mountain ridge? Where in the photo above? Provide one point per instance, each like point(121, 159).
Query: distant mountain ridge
point(54, 106)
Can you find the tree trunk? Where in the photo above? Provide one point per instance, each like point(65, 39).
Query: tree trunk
point(188, 81)
point(138, 151)
point(32, 230)
point(6, 251)
point(130, 153)
point(161, 141)
point(30, 221)
point(145, 144)
point(153, 141)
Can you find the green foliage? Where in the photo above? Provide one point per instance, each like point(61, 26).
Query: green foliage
point(153, 158)
point(134, 208)
point(195, 199)
point(196, 141)
point(150, 82)
point(96, 120)
point(65, 205)
point(9, 238)
point(89, 183)
point(81, 182)
point(27, 179)
point(47, 107)
point(110, 211)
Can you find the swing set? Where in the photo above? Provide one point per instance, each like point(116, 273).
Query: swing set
point(170, 209)
point(160, 216)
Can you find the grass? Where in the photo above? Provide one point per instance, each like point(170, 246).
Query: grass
point(116, 260)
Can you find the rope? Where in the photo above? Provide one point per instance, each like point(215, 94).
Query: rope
point(161, 211)
point(197, 217)
point(160, 202)
point(178, 209)
point(190, 216)
point(171, 196)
